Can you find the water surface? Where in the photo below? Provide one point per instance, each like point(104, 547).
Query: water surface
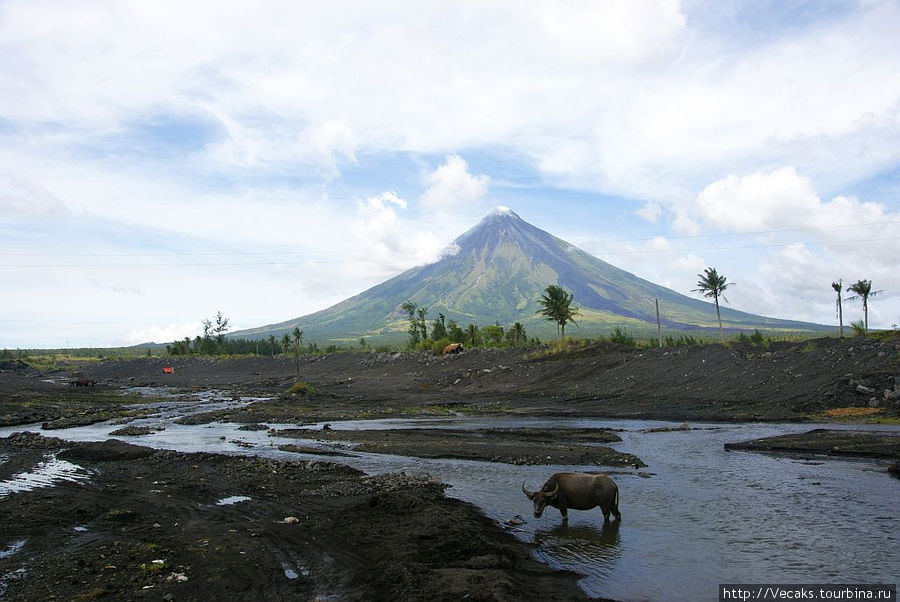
point(696, 517)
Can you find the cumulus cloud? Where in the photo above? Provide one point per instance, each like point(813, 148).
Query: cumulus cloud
point(396, 242)
point(451, 185)
point(641, 99)
point(784, 200)
point(758, 201)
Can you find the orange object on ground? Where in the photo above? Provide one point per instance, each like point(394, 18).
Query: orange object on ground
point(169, 370)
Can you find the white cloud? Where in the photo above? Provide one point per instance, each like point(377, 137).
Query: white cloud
point(650, 212)
point(785, 200)
point(397, 243)
point(21, 197)
point(163, 334)
point(451, 185)
point(759, 201)
point(627, 98)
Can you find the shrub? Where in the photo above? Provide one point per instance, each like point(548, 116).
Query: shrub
point(302, 388)
point(622, 337)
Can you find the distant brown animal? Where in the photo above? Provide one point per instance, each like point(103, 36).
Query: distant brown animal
point(578, 491)
point(82, 382)
point(453, 348)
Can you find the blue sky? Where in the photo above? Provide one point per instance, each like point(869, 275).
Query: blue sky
point(162, 161)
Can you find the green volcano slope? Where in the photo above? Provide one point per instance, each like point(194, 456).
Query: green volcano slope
point(496, 272)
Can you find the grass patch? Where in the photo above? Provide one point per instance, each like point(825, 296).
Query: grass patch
point(302, 388)
point(852, 412)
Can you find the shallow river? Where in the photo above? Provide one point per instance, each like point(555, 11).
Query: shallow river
point(696, 517)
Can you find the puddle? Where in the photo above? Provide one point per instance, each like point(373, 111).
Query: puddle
point(12, 548)
point(47, 473)
point(289, 572)
point(234, 499)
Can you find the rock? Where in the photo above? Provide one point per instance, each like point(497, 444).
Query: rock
point(864, 390)
point(289, 520)
point(514, 521)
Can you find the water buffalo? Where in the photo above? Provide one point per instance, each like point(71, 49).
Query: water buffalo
point(453, 348)
point(578, 491)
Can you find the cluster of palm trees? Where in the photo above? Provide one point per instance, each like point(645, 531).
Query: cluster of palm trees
point(556, 303)
point(862, 289)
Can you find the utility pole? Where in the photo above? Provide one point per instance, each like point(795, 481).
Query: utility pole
point(658, 324)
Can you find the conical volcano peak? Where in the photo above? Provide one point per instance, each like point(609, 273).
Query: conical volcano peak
point(502, 223)
point(498, 215)
point(496, 273)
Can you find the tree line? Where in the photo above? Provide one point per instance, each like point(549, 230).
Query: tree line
point(442, 332)
point(555, 306)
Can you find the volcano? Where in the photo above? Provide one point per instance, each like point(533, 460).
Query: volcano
point(495, 274)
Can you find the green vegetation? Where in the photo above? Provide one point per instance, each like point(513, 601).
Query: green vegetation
point(837, 286)
point(713, 285)
point(863, 290)
point(302, 388)
point(622, 337)
point(418, 331)
point(297, 336)
point(556, 306)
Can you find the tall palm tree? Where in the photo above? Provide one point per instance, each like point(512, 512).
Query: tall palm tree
point(863, 290)
point(556, 306)
point(712, 284)
point(837, 286)
point(297, 336)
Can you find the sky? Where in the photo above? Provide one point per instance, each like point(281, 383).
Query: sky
point(163, 161)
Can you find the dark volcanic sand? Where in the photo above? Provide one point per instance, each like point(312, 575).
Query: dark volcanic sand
point(148, 525)
point(390, 537)
point(510, 446)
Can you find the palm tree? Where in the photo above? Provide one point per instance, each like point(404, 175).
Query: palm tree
point(286, 342)
point(711, 284)
point(297, 336)
point(837, 286)
point(863, 290)
point(556, 306)
point(516, 334)
point(472, 333)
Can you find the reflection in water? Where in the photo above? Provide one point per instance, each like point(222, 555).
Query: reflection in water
point(48, 471)
point(583, 544)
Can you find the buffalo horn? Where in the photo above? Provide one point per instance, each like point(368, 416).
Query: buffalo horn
point(552, 492)
point(529, 494)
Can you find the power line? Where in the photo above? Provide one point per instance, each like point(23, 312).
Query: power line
point(339, 252)
point(341, 261)
point(754, 232)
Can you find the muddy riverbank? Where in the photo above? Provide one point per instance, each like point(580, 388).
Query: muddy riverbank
point(840, 443)
point(577, 447)
point(161, 525)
